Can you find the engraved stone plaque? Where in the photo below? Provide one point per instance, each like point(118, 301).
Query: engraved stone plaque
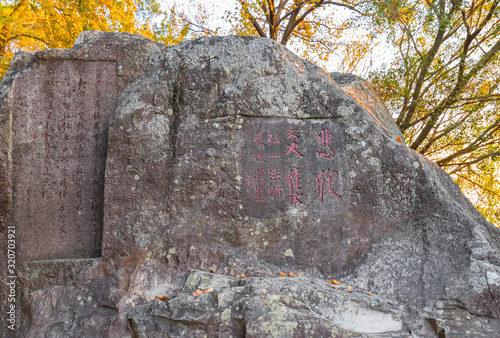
point(292, 163)
point(60, 119)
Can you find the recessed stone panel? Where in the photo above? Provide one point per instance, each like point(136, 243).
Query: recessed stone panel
point(292, 163)
point(60, 117)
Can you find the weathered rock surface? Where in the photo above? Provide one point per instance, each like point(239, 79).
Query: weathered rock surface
point(267, 307)
point(365, 95)
point(234, 155)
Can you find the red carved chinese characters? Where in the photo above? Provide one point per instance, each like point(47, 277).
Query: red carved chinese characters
point(275, 192)
point(274, 175)
point(259, 192)
point(259, 156)
point(258, 139)
point(275, 189)
point(282, 163)
point(320, 180)
point(325, 138)
point(292, 148)
point(257, 184)
point(326, 154)
point(273, 139)
point(294, 181)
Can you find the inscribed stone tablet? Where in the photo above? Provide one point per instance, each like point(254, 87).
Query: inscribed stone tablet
point(292, 163)
point(60, 116)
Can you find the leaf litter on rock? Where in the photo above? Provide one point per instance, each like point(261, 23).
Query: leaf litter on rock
point(199, 292)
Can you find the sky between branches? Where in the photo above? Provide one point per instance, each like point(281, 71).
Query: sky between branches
point(217, 9)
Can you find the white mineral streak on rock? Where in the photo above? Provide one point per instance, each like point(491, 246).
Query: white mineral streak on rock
point(357, 318)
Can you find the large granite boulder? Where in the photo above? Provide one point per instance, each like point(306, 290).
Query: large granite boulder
point(131, 170)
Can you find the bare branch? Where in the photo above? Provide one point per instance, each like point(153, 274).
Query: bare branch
point(281, 6)
point(293, 21)
point(477, 184)
point(340, 4)
point(244, 5)
point(472, 146)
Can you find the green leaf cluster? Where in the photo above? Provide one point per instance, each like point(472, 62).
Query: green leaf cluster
point(443, 86)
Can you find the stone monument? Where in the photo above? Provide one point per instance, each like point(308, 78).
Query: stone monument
point(60, 122)
point(152, 190)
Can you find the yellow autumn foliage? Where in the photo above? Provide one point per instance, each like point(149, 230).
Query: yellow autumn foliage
point(32, 25)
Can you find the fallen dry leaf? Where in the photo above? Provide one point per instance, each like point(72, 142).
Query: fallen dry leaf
point(333, 281)
point(399, 140)
point(241, 276)
point(212, 270)
point(199, 292)
point(291, 274)
point(162, 298)
point(349, 291)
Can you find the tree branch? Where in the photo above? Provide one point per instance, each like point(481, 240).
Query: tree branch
point(471, 147)
point(340, 4)
point(256, 25)
point(426, 63)
point(477, 184)
point(281, 6)
point(293, 21)
point(453, 96)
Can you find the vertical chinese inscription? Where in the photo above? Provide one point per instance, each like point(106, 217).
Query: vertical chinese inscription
point(290, 162)
point(61, 116)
